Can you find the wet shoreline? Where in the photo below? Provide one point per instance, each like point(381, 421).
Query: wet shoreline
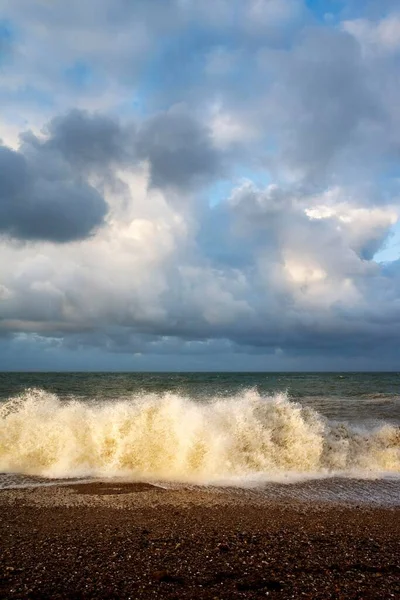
point(384, 491)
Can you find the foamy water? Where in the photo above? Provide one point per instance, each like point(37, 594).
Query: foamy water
point(247, 438)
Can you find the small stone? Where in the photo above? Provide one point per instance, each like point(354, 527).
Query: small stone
point(159, 575)
point(163, 576)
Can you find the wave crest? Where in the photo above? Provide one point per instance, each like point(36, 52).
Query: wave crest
point(170, 437)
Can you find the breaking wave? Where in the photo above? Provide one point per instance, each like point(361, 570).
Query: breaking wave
point(170, 437)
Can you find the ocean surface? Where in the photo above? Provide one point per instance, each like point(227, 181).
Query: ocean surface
point(313, 435)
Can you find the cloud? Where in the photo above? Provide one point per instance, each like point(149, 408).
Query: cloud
point(41, 203)
point(273, 18)
point(88, 140)
point(146, 284)
point(179, 149)
point(45, 191)
point(200, 179)
point(382, 36)
point(319, 105)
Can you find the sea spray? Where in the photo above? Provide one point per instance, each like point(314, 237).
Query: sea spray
point(170, 437)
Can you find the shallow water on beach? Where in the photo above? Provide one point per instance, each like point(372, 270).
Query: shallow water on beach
point(311, 436)
point(354, 492)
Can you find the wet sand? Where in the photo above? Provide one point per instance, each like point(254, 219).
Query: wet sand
point(115, 540)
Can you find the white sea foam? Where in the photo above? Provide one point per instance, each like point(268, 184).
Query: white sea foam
point(247, 437)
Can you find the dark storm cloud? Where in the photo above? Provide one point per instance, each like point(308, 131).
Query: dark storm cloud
point(57, 206)
point(88, 140)
point(179, 150)
point(177, 146)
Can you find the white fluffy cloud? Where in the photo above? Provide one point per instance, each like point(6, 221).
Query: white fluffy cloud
point(382, 36)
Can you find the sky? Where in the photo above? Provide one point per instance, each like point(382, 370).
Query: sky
point(191, 185)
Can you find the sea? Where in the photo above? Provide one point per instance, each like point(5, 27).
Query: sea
point(315, 436)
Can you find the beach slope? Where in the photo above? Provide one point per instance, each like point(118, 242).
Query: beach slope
point(114, 540)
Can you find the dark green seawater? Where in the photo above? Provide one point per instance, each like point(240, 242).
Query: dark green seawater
point(348, 396)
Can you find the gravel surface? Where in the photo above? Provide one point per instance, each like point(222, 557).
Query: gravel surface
point(108, 540)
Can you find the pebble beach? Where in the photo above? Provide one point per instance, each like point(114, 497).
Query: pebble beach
point(132, 540)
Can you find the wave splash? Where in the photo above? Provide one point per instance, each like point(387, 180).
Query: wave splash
point(170, 437)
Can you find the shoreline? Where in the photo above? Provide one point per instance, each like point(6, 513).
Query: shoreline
point(132, 540)
point(381, 491)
